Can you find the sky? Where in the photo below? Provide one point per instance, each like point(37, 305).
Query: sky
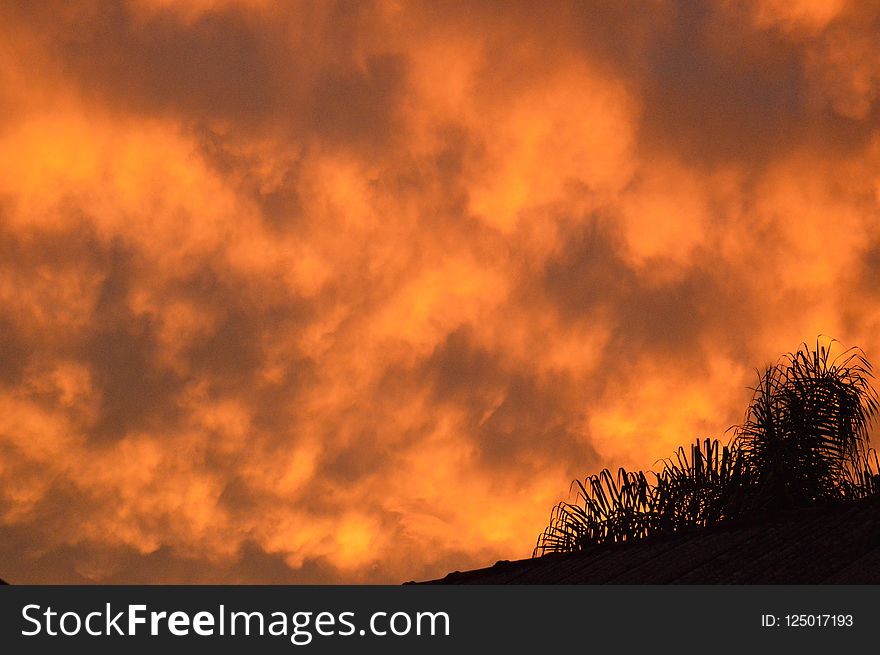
point(323, 292)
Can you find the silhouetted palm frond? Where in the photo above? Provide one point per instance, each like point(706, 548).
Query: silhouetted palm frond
point(607, 509)
point(806, 428)
point(804, 440)
point(702, 489)
point(865, 477)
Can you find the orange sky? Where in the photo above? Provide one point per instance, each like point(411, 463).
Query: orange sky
point(350, 293)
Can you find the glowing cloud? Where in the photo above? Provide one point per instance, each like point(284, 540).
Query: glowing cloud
point(335, 293)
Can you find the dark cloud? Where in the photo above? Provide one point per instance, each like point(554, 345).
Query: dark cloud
point(590, 273)
point(348, 106)
point(136, 394)
point(13, 351)
point(216, 66)
point(234, 65)
point(717, 92)
point(85, 563)
point(651, 311)
point(519, 418)
point(591, 280)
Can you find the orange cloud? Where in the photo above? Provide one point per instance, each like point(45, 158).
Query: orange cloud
point(350, 294)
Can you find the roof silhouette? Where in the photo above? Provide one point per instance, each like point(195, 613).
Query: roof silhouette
point(834, 543)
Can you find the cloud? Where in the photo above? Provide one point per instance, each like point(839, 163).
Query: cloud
point(334, 294)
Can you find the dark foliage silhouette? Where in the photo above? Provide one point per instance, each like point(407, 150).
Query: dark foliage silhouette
point(804, 440)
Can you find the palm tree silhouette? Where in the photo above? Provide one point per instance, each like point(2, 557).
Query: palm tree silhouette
point(804, 441)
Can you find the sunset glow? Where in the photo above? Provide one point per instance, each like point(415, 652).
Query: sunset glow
point(322, 293)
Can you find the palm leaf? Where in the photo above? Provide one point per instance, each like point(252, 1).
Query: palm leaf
point(804, 440)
